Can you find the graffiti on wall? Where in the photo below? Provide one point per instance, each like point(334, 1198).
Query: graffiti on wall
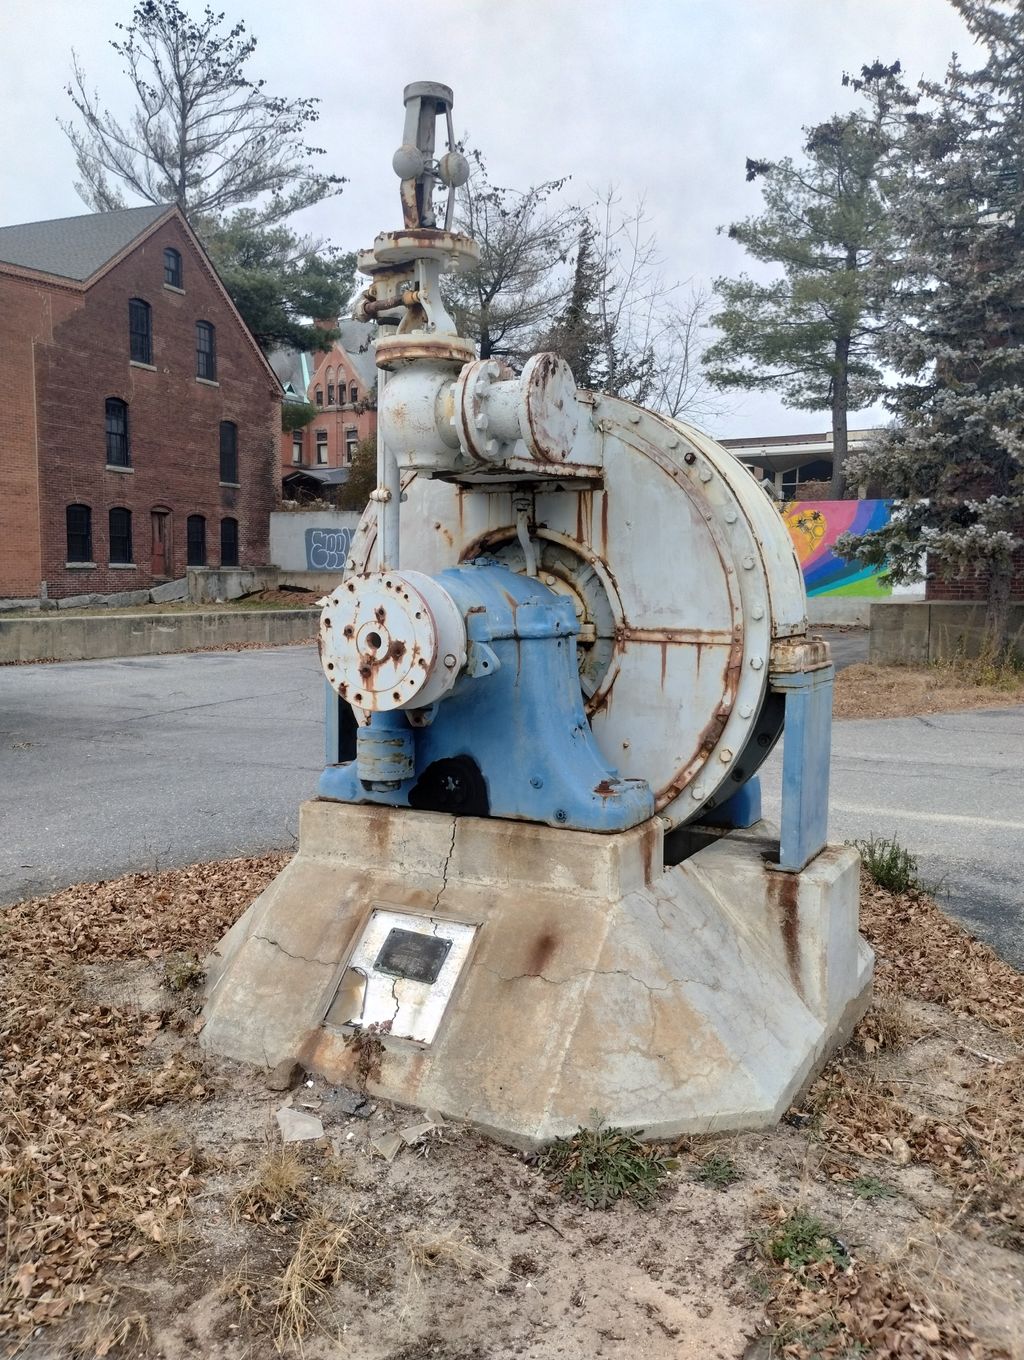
point(327, 549)
point(814, 527)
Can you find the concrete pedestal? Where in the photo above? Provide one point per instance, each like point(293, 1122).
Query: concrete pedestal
point(580, 975)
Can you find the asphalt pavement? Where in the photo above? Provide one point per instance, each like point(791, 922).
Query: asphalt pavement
point(110, 766)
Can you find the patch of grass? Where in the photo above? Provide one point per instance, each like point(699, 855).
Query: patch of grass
point(993, 667)
point(277, 1192)
point(888, 863)
point(871, 1188)
point(182, 971)
point(887, 1027)
point(598, 1166)
point(801, 1240)
point(717, 1171)
point(432, 1250)
point(104, 1332)
point(317, 1263)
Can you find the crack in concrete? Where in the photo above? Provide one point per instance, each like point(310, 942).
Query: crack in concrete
point(599, 972)
point(301, 958)
point(444, 867)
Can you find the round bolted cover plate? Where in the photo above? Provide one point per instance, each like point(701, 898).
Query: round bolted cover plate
point(378, 641)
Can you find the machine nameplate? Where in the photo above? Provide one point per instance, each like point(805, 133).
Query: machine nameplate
point(409, 954)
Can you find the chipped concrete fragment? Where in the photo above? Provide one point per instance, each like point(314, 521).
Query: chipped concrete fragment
point(388, 1145)
point(298, 1127)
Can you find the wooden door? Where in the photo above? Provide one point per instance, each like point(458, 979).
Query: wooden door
point(161, 521)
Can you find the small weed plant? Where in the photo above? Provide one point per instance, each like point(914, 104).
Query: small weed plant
point(801, 1240)
point(890, 865)
point(598, 1166)
point(871, 1188)
point(182, 971)
point(717, 1171)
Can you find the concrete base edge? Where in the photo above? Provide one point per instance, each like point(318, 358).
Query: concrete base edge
point(699, 998)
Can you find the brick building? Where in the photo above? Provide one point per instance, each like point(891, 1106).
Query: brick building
point(342, 384)
point(141, 423)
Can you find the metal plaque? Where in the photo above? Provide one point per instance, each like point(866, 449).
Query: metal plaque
point(409, 954)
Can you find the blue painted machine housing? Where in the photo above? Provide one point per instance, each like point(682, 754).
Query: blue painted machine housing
point(511, 739)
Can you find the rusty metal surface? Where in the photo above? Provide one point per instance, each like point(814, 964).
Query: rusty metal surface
point(800, 654)
point(391, 640)
point(667, 540)
point(455, 251)
point(548, 416)
point(397, 350)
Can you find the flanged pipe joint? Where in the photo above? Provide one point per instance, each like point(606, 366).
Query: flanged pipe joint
point(434, 421)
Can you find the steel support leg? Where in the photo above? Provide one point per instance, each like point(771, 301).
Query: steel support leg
point(806, 751)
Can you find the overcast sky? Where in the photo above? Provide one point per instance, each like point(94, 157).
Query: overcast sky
point(662, 98)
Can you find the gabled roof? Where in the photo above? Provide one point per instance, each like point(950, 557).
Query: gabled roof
point(356, 339)
point(76, 247)
point(81, 249)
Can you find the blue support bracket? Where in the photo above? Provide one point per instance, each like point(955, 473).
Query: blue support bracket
point(740, 810)
point(806, 751)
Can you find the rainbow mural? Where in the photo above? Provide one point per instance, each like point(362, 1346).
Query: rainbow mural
point(814, 527)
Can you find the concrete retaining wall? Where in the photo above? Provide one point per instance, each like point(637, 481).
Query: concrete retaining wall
point(919, 632)
point(59, 638)
point(209, 585)
point(313, 540)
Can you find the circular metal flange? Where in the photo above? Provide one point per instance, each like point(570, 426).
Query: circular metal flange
point(548, 412)
point(393, 351)
point(472, 420)
point(391, 640)
point(568, 569)
point(455, 252)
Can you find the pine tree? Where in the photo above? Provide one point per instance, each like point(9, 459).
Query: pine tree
point(279, 281)
point(811, 334)
point(576, 335)
point(203, 135)
point(955, 454)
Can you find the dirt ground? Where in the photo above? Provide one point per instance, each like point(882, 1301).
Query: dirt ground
point(153, 1211)
point(867, 691)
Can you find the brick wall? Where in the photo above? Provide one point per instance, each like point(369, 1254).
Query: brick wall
point(972, 588)
point(27, 317)
point(174, 423)
point(333, 368)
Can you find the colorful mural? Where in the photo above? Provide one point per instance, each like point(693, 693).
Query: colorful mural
point(814, 527)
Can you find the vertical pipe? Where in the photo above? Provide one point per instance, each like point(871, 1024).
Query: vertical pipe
point(389, 489)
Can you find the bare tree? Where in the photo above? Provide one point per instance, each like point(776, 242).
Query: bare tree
point(522, 281)
point(201, 134)
point(678, 384)
point(624, 329)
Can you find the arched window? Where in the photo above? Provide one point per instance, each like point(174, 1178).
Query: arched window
point(172, 268)
point(353, 392)
point(206, 351)
point(118, 451)
point(120, 540)
point(318, 396)
point(228, 451)
point(330, 394)
point(195, 551)
point(79, 531)
point(229, 542)
point(140, 331)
